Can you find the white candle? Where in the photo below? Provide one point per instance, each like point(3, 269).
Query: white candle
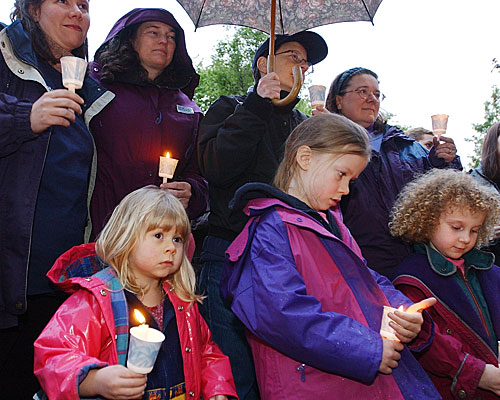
point(167, 167)
point(143, 328)
point(73, 72)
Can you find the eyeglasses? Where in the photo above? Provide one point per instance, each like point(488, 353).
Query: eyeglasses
point(364, 94)
point(296, 59)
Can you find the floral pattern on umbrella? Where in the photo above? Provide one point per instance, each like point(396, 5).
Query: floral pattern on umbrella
point(291, 15)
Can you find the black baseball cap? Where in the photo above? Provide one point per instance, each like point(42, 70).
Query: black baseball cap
point(314, 44)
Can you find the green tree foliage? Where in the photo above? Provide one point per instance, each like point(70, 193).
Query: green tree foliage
point(231, 69)
point(491, 115)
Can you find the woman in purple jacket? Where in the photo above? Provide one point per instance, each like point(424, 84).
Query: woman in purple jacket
point(144, 62)
point(394, 160)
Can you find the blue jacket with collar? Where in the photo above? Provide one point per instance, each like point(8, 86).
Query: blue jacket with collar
point(22, 158)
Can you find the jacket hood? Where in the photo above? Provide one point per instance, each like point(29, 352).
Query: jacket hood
point(254, 198)
point(78, 262)
point(21, 43)
point(186, 77)
point(395, 132)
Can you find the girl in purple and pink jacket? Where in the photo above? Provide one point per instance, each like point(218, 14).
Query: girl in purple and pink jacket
point(296, 278)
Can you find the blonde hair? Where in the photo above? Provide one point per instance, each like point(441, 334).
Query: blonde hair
point(417, 211)
point(140, 212)
point(324, 133)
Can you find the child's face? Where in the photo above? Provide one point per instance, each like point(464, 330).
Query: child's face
point(457, 232)
point(156, 255)
point(327, 178)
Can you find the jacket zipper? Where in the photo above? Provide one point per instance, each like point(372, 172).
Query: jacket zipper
point(483, 320)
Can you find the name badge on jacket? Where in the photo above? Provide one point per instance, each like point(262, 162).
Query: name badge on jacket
point(184, 109)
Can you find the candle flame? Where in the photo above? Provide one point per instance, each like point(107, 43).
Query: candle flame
point(401, 308)
point(168, 154)
point(139, 316)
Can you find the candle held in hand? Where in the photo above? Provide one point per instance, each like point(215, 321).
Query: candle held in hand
point(167, 167)
point(73, 72)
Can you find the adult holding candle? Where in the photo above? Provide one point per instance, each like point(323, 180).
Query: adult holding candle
point(144, 62)
point(46, 159)
point(395, 160)
point(241, 140)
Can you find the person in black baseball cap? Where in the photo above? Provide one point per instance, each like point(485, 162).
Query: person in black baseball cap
point(241, 140)
point(297, 46)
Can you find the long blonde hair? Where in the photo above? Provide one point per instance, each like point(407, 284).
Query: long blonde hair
point(324, 133)
point(139, 212)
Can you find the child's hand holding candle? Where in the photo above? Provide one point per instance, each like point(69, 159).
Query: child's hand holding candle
point(406, 325)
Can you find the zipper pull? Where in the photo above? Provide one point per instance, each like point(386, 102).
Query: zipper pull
point(302, 372)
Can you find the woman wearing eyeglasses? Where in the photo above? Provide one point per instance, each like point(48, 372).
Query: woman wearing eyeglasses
point(395, 160)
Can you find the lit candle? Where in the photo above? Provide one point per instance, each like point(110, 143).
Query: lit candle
point(143, 328)
point(387, 331)
point(167, 167)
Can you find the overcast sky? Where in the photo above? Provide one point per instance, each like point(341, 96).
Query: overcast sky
point(432, 56)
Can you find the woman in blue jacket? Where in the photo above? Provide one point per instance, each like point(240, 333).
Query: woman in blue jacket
point(46, 172)
point(394, 160)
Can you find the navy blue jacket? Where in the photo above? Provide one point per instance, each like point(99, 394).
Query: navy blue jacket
point(22, 157)
point(367, 208)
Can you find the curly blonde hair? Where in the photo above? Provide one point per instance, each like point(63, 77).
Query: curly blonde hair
point(418, 208)
point(140, 212)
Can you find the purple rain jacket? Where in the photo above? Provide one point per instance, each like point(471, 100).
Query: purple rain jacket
point(462, 346)
point(313, 308)
point(22, 159)
point(142, 123)
point(367, 208)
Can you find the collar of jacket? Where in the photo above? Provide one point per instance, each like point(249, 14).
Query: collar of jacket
point(479, 171)
point(253, 198)
point(475, 258)
point(393, 132)
point(96, 96)
point(21, 43)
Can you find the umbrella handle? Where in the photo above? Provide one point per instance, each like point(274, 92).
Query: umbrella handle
point(297, 85)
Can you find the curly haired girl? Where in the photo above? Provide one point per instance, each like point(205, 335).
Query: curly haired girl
point(447, 215)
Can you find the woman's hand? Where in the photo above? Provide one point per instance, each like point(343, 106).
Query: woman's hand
point(490, 379)
point(320, 110)
point(113, 382)
point(390, 356)
point(181, 190)
point(218, 397)
point(56, 107)
point(447, 150)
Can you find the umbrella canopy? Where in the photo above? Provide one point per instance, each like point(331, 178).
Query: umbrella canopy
point(291, 15)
